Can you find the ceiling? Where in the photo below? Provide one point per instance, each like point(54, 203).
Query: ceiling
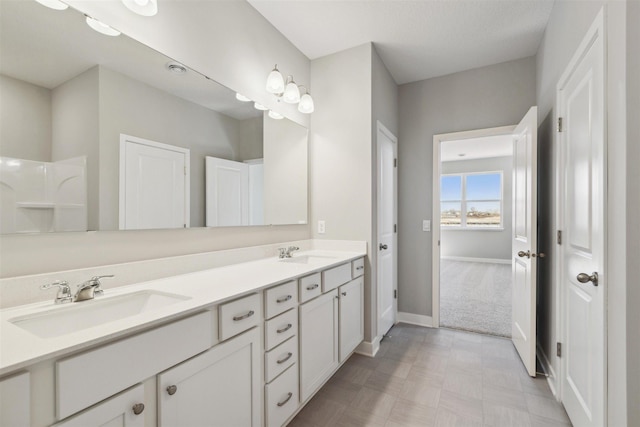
point(416, 39)
point(476, 148)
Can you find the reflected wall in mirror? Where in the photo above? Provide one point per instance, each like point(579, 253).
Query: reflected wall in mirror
point(70, 95)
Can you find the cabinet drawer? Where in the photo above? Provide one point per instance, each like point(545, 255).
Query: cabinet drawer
point(280, 358)
point(357, 268)
point(120, 407)
point(90, 377)
point(239, 315)
point(336, 276)
point(281, 397)
point(280, 328)
point(309, 287)
point(280, 298)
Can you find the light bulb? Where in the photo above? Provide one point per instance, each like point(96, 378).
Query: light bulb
point(306, 104)
point(142, 7)
point(259, 106)
point(291, 93)
point(275, 115)
point(241, 97)
point(275, 82)
point(53, 4)
point(102, 28)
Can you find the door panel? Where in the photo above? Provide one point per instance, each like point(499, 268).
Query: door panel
point(227, 192)
point(524, 243)
point(386, 249)
point(582, 197)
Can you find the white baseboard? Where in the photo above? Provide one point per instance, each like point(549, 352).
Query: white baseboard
point(547, 368)
point(487, 260)
point(415, 319)
point(369, 349)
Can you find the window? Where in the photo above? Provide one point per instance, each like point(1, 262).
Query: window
point(477, 195)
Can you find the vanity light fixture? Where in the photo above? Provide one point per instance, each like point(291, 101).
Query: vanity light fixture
point(306, 102)
point(275, 115)
point(241, 97)
point(176, 68)
point(289, 91)
point(53, 4)
point(142, 7)
point(259, 106)
point(101, 28)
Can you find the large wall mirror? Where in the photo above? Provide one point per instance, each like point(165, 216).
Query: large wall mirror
point(104, 133)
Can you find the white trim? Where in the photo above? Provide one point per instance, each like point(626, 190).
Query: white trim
point(469, 259)
point(369, 349)
point(415, 319)
point(435, 247)
point(547, 368)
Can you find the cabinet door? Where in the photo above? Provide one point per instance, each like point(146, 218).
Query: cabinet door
point(15, 401)
point(124, 410)
point(221, 387)
point(351, 316)
point(318, 342)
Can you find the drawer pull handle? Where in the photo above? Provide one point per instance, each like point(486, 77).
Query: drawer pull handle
point(285, 329)
point(312, 287)
point(287, 357)
point(172, 389)
point(244, 316)
point(284, 402)
point(360, 268)
point(138, 408)
point(284, 299)
point(344, 294)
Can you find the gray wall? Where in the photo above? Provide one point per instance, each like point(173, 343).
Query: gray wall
point(497, 95)
point(494, 244)
point(231, 43)
point(633, 207)
point(25, 132)
point(567, 26)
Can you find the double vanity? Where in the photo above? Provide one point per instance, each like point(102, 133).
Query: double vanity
point(246, 344)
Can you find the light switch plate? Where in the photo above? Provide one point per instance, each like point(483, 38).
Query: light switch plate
point(320, 227)
point(426, 225)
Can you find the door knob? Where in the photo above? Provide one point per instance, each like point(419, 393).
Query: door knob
point(383, 247)
point(523, 254)
point(585, 278)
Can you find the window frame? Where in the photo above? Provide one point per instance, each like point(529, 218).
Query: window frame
point(463, 202)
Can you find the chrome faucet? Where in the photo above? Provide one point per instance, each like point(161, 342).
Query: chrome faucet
point(64, 291)
point(287, 252)
point(90, 289)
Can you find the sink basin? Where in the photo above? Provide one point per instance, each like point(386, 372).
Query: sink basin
point(83, 315)
point(307, 259)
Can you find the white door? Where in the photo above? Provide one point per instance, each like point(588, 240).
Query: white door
point(154, 185)
point(524, 240)
point(351, 316)
point(387, 237)
point(582, 221)
point(227, 192)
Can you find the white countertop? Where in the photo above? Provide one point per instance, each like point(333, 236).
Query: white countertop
point(20, 348)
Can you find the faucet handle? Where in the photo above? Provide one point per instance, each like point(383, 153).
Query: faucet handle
point(282, 252)
point(64, 291)
point(95, 282)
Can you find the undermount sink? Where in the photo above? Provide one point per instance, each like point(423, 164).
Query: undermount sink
point(75, 317)
point(307, 259)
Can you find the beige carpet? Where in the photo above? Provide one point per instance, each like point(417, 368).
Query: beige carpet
point(476, 296)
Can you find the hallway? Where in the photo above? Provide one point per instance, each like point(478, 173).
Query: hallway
point(434, 377)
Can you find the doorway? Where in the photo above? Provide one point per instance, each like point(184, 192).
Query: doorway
point(475, 234)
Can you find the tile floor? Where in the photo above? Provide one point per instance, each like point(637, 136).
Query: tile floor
point(434, 377)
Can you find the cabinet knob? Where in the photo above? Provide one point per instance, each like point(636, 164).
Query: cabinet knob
point(285, 329)
point(244, 316)
point(172, 389)
point(288, 398)
point(138, 408)
point(284, 299)
point(344, 294)
point(312, 287)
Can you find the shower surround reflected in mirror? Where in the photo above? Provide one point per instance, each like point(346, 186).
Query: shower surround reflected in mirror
point(69, 92)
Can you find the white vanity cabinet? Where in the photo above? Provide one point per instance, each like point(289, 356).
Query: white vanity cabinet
point(351, 316)
point(123, 410)
point(220, 387)
point(15, 401)
point(318, 342)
